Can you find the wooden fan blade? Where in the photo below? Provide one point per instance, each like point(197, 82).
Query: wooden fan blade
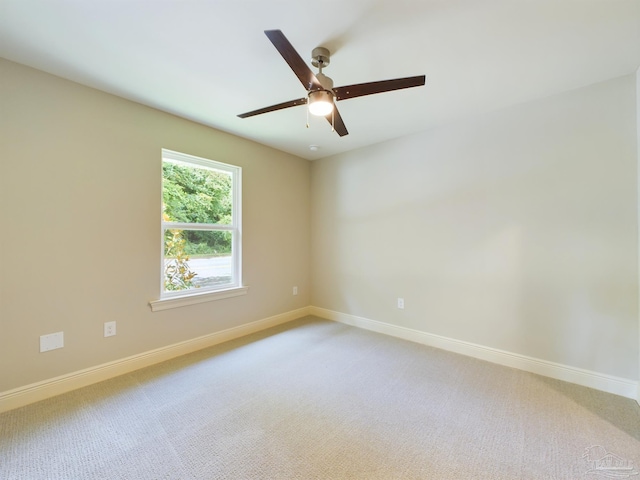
point(294, 60)
point(273, 108)
point(361, 89)
point(338, 123)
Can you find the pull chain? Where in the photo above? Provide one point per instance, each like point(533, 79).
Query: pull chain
point(333, 118)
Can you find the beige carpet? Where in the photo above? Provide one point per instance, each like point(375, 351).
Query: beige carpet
point(320, 400)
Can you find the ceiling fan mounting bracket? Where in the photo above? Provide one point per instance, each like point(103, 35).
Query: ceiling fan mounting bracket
point(320, 57)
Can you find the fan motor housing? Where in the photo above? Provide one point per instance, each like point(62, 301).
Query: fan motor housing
point(325, 81)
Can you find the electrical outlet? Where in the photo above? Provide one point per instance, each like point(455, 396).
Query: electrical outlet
point(109, 329)
point(295, 290)
point(51, 341)
point(400, 303)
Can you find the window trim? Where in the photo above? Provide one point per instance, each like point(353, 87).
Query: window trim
point(173, 299)
point(195, 298)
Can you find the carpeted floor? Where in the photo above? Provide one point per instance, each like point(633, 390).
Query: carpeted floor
point(315, 399)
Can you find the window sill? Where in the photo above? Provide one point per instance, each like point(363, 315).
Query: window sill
point(194, 298)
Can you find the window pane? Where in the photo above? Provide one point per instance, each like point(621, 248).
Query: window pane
point(194, 194)
point(197, 259)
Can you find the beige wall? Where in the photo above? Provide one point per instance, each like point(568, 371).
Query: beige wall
point(638, 196)
point(515, 230)
point(80, 197)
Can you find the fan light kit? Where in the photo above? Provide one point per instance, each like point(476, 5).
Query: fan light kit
point(320, 103)
point(321, 95)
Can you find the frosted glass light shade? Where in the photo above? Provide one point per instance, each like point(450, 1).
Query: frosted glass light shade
point(320, 103)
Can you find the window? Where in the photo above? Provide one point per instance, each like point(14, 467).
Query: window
point(201, 227)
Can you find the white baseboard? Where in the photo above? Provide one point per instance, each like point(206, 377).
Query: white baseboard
point(607, 383)
point(34, 392)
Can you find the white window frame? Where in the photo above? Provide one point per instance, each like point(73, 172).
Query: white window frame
point(172, 299)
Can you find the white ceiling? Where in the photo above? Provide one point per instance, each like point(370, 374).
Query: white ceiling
point(209, 60)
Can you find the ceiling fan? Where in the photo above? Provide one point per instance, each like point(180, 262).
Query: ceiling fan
point(321, 94)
